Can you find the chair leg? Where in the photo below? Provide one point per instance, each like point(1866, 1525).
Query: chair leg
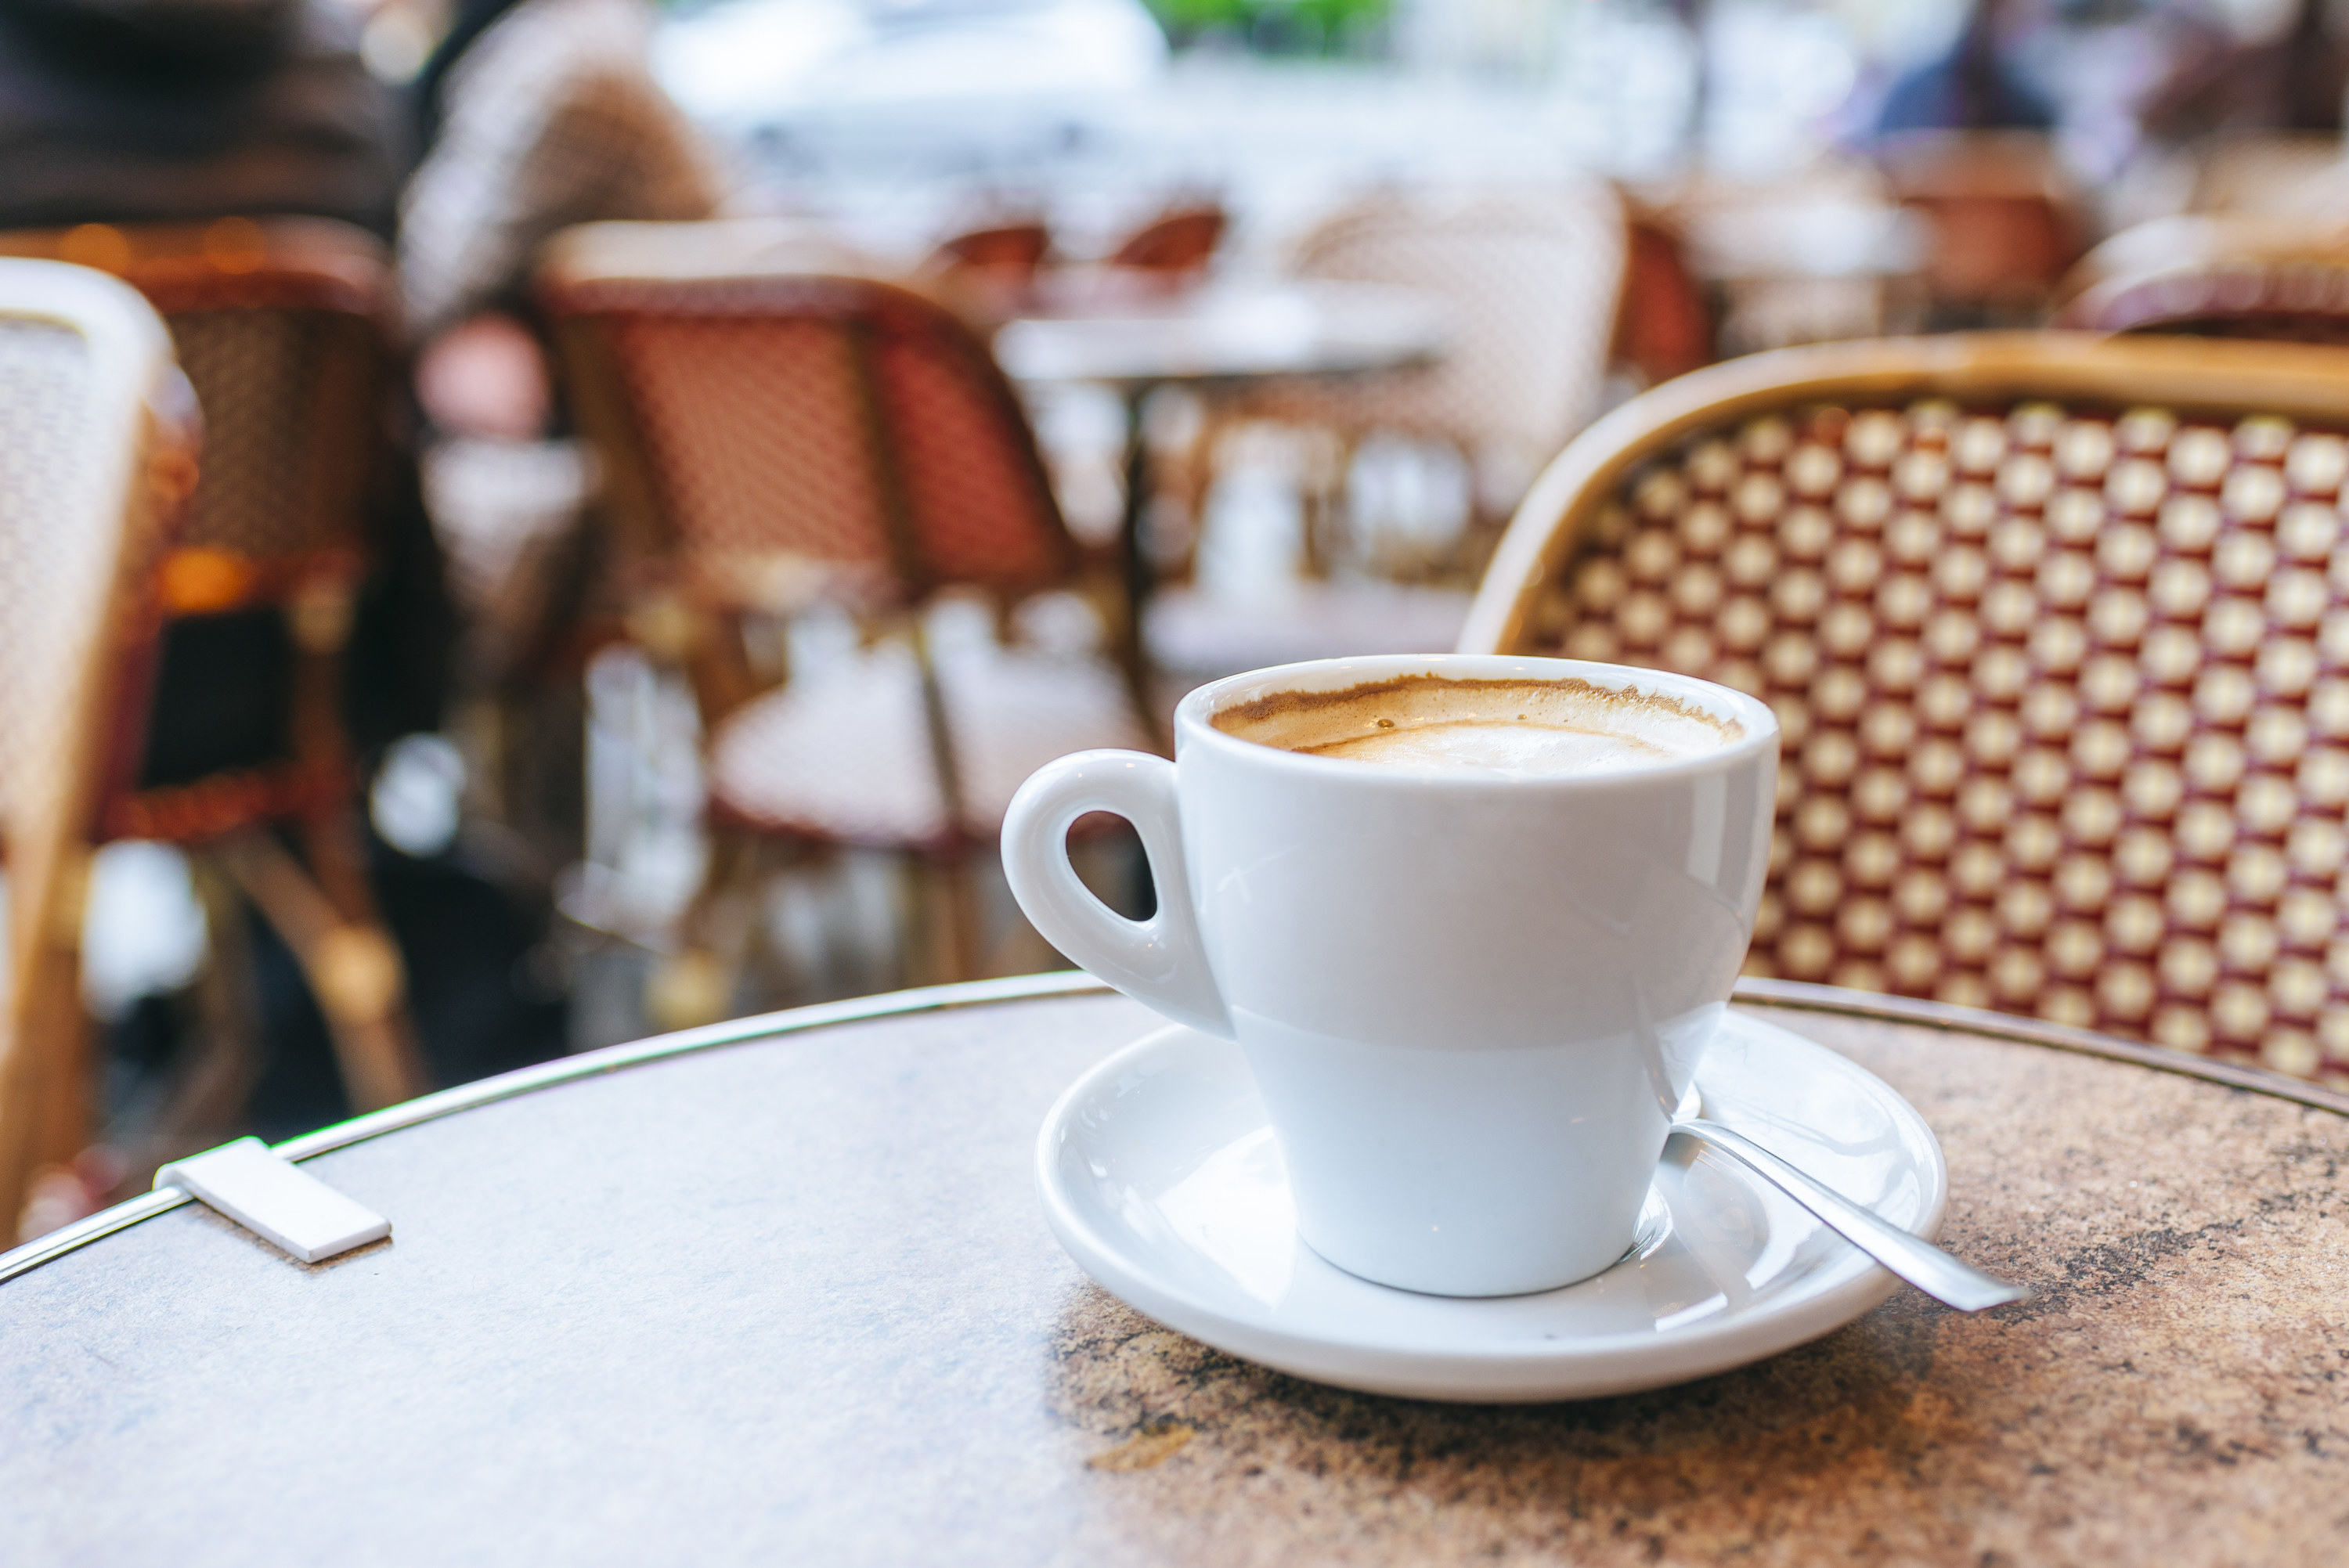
point(208, 1091)
point(695, 985)
point(45, 1101)
point(350, 961)
point(958, 917)
point(956, 911)
point(939, 921)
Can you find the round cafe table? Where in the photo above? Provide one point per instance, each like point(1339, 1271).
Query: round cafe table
point(780, 1291)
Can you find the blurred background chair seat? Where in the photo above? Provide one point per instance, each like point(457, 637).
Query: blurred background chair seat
point(779, 443)
point(97, 437)
point(2052, 626)
point(845, 756)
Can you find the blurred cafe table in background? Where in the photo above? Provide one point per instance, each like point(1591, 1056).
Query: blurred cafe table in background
point(780, 1290)
point(1224, 334)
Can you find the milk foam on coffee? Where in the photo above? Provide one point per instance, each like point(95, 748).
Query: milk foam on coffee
point(1514, 729)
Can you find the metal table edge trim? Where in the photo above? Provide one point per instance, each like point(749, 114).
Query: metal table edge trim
point(1803, 997)
point(32, 1254)
point(1788, 994)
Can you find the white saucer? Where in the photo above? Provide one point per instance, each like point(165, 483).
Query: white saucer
point(1160, 1174)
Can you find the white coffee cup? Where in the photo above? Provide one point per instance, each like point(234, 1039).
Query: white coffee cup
point(1471, 1000)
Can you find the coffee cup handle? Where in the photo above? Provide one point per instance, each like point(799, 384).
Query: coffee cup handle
point(1159, 962)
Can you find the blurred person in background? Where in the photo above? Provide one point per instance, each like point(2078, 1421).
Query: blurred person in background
point(157, 111)
point(2092, 74)
point(1979, 83)
point(532, 115)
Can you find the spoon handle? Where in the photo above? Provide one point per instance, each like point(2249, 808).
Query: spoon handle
point(1921, 1263)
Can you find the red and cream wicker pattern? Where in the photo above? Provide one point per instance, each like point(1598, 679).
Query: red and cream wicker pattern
point(2065, 695)
point(787, 422)
point(54, 582)
point(282, 325)
point(257, 375)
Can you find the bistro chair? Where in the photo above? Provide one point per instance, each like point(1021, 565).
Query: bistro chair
point(283, 326)
point(2217, 275)
point(1530, 279)
point(1821, 254)
point(1663, 323)
point(1020, 246)
point(774, 439)
point(2001, 221)
point(2058, 631)
point(1177, 246)
point(991, 272)
point(97, 456)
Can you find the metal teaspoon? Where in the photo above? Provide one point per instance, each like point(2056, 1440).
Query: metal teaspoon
point(1921, 1263)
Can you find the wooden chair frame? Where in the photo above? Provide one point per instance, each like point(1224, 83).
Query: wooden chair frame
point(143, 422)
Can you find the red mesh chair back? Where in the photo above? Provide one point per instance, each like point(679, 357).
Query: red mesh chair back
point(1012, 247)
point(1178, 241)
point(784, 436)
point(2058, 630)
point(283, 328)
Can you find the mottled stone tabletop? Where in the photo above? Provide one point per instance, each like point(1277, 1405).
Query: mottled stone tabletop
point(794, 1300)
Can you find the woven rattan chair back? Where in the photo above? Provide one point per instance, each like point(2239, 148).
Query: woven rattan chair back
point(96, 456)
point(2058, 630)
point(282, 327)
point(778, 435)
point(1531, 279)
point(2279, 279)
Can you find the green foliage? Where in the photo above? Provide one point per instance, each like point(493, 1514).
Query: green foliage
point(1306, 25)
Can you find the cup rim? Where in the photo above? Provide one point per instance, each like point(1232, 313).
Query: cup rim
point(1192, 725)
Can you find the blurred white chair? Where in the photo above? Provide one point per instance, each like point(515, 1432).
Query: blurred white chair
point(1530, 278)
